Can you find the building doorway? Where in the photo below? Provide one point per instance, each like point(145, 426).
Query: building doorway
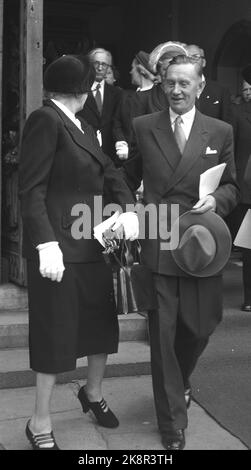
point(232, 55)
point(48, 29)
point(35, 33)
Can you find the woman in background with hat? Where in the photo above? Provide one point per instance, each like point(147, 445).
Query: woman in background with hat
point(155, 99)
point(70, 288)
point(147, 73)
point(143, 79)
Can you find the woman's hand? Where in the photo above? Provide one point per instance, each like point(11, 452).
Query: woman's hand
point(51, 261)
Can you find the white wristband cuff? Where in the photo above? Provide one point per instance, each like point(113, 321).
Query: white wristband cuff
point(41, 246)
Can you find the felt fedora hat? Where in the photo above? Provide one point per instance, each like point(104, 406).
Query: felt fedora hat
point(204, 243)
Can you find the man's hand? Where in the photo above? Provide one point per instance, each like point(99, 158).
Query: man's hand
point(130, 224)
point(51, 261)
point(122, 149)
point(207, 203)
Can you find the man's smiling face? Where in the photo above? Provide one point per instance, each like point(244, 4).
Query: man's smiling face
point(182, 85)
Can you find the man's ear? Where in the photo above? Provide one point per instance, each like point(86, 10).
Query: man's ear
point(201, 87)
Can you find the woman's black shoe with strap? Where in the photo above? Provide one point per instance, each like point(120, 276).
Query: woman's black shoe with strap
point(43, 441)
point(103, 414)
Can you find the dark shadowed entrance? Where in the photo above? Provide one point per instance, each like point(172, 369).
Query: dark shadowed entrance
point(233, 53)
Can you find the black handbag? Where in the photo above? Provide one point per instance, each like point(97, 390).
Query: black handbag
point(135, 286)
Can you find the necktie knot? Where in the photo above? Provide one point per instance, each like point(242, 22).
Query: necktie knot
point(179, 120)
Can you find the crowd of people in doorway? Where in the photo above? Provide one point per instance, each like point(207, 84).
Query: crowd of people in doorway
point(92, 138)
point(148, 76)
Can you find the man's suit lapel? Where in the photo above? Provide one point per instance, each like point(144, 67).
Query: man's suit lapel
point(165, 139)
point(92, 105)
point(248, 116)
point(81, 139)
point(107, 105)
point(195, 147)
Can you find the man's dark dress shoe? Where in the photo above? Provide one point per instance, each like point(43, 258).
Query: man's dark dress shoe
point(174, 440)
point(246, 308)
point(103, 414)
point(43, 441)
point(188, 397)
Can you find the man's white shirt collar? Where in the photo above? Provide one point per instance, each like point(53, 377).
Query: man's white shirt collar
point(187, 118)
point(102, 88)
point(147, 87)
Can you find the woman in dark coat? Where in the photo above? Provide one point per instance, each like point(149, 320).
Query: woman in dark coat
point(63, 173)
point(129, 106)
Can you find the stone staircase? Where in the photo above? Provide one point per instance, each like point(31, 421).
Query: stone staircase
point(132, 359)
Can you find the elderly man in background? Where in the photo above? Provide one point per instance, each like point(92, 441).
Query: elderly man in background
point(215, 98)
point(101, 104)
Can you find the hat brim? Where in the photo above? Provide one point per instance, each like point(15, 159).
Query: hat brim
point(143, 58)
point(163, 49)
point(173, 48)
point(220, 232)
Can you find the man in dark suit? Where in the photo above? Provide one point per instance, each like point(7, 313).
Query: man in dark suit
point(242, 128)
point(101, 104)
point(172, 148)
point(215, 99)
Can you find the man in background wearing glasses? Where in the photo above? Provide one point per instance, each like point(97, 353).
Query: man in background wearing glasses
point(101, 104)
point(215, 99)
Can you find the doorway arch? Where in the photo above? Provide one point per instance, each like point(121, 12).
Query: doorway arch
point(232, 54)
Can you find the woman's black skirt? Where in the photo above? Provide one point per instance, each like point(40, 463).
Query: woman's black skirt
point(70, 319)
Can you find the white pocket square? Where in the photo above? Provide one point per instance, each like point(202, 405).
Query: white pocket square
point(210, 151)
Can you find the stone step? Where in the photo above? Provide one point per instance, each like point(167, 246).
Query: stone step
point(13, 297)
point(132, 359)
point(14, 328)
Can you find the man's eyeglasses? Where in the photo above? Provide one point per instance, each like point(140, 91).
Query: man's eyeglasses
point(184, 59)
point(97, 64)
point(197, 56)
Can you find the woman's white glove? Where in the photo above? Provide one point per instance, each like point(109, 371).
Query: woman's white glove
point(51, 261)
point(130, 223)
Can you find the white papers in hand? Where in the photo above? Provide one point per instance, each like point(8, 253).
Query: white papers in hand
point(101, 228)
point(210, 179)
point(243, 237)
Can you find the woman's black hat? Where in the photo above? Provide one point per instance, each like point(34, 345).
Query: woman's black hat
point(69, 75)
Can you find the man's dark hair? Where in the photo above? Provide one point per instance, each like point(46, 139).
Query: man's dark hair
point(183, 59)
